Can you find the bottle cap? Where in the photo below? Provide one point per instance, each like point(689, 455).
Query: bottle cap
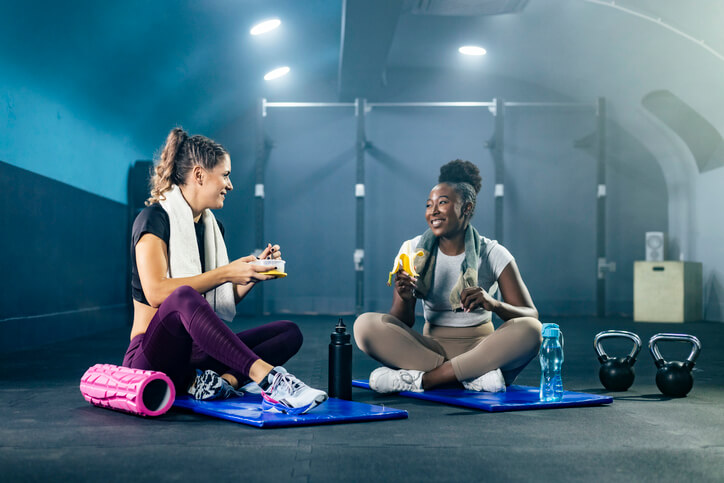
point(340, 334)
point(551, 330)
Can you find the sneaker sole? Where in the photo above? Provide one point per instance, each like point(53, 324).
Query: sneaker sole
point(280, 408)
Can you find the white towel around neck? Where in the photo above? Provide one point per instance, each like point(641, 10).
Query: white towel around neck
point(183, 251)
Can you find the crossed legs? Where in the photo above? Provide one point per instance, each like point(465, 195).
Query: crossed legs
point(449, 354)
point(185, 329)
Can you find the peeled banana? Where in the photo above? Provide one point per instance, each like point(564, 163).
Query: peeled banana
point(406, 261)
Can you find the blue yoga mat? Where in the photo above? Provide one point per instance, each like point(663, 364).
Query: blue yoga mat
point(515, 398)
point(247, 410)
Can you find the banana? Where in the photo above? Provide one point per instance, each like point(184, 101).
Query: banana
point(405, 260)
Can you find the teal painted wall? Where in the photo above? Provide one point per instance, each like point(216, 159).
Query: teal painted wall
point(48, 134)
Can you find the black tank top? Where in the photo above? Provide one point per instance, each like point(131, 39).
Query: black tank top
point(154, 220)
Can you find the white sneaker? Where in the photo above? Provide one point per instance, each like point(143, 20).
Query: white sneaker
point(384, 379)
point(287, 394)
point(492, 381)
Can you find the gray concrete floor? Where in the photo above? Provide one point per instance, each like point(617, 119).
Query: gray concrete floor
point(49, 433)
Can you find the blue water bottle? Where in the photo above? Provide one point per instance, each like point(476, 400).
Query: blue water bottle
point(551, 363)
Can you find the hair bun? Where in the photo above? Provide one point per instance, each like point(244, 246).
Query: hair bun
point(460, 171)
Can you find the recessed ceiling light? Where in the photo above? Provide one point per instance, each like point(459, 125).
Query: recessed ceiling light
point(276, 73)
point(265, 26)
point(472, 50)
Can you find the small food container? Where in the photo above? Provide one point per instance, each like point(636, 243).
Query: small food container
point(276, 263)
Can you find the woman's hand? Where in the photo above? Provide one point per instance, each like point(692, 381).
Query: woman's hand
point(403, 298)
point(244, 272)
point(271, 251)
point(405, 286)
point(475, 297)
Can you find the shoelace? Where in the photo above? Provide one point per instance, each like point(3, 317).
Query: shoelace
point(288, 382)
point(407, 377)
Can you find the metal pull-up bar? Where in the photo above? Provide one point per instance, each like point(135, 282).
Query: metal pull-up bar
point(370, 105)
point(496, 144)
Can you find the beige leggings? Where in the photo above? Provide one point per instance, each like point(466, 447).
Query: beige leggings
point(472, 351)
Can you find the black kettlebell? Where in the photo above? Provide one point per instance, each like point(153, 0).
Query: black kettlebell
point(616, 373)
point(674, 379)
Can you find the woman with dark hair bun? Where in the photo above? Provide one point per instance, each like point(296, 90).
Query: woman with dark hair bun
point(456, 273)
point(183, 285)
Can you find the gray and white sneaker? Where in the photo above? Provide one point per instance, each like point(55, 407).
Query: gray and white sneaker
point(385, 379)
point(209, 385)
point(287, 394)
point(492, 381)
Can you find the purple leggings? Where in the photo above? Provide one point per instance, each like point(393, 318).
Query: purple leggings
point(185, 334)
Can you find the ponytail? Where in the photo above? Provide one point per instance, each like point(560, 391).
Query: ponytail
point(179, 155)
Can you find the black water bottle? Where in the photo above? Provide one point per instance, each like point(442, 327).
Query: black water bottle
point(340, 363)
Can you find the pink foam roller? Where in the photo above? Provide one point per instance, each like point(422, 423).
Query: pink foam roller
point(146, 393)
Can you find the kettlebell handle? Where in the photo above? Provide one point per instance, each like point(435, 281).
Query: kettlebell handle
point(616, 333)
point(658, 358)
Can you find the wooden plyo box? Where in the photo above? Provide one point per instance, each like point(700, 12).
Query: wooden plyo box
point(667, 291)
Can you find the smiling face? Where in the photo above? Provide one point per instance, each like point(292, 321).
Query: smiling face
point(444, 212)
point(217, 184)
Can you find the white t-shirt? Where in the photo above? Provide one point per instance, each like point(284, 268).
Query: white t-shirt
point(438, 311)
